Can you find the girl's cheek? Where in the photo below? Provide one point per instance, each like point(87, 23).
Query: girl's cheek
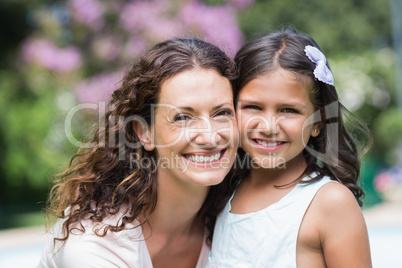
point(247, 127)
point(241, 122)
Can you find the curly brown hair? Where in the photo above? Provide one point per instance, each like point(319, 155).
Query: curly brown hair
point(107, 177)
point(334, 152)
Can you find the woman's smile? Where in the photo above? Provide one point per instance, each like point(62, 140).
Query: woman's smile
point(195, 122)
point(205, 159)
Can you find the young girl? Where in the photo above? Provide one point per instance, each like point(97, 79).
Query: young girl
point(297, 203)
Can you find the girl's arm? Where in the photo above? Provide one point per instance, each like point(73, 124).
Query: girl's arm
point(342, 230)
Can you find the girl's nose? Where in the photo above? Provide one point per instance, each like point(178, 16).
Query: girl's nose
point(269, 125)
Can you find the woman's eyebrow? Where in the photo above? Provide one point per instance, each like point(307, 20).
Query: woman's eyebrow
point(191, 109)
point(188, 108)
point(221, 105)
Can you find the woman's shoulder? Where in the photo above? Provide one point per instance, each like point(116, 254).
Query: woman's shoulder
point(87, 247)
point(91, 232)
point(91, 250)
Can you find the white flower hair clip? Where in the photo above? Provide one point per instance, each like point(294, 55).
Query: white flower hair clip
point(321, 71)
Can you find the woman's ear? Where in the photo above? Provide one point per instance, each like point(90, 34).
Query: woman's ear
point(143, 132)
point(315, 131)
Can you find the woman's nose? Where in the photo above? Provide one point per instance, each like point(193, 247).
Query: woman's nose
point(208, 138)
point(205, 134)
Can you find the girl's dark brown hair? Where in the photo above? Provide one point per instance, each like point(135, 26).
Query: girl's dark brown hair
point(106, 178)
point(339, 157)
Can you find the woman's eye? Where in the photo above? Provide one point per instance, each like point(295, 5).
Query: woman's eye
point(224, 112)
point(181, 117)
point(252, 107)
point(289, 110)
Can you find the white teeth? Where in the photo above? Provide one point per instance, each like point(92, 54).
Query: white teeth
point(204, 159)
point(267, 144)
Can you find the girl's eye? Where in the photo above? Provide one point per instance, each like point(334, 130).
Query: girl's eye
point(181, 117)
point(224, 112)
point(289, 110)
point(252, 107)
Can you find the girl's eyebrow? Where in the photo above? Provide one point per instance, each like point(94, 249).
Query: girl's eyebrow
point(290, 104)
point(299, 105)
point(248, 101)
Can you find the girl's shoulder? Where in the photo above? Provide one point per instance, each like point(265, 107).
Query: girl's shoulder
point(333, 206)
point(335, 224)
point(336, 221)
point(334, 195)
point(332, 200)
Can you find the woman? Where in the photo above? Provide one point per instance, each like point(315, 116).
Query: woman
point(142, 196)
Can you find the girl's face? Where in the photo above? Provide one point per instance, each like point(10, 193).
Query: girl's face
point(272, 115)
point(195, 132)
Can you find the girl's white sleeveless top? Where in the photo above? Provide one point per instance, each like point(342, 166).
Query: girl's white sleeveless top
point(266, 238)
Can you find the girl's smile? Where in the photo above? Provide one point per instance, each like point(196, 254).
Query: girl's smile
point(272, 111)
point(268, 145)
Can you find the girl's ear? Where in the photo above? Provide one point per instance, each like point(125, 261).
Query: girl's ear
point(315, 131)
point(144, 134)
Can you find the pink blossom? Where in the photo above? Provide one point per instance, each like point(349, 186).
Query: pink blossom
point(139, 15)
point(46, 54)
point(153, 20)
point(163, 28)
point(88, 12)
point(134, 47)
point(383, 182)
point(241, 4)
point(217, 24)
point(97, 88)
point(106, 47)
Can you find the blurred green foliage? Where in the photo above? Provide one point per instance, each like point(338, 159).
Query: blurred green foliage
point(340, 27)
point(26, 116)
point(388, 129)
point(355, 36)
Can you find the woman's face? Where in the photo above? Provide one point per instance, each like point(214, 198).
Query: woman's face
point(195, 133)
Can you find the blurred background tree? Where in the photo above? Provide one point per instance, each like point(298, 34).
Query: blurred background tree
point(58, 54)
